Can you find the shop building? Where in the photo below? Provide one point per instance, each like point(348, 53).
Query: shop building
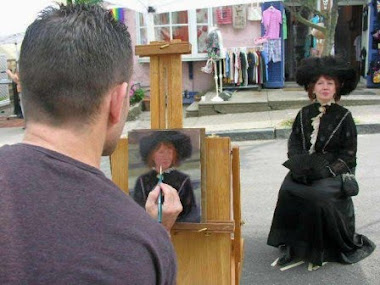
point(355, 39)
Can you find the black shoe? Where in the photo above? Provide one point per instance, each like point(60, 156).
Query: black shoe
point(286, 257)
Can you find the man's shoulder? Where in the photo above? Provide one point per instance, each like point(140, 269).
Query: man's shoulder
point(41, 158)
point(104, 221)
point(10, 153)
point(5, 149)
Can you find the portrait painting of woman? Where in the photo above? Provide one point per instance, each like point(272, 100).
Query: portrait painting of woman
point(174, 154)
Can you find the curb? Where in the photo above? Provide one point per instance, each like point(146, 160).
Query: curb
point(247, 134)
point(368, 128)
point(273, 133)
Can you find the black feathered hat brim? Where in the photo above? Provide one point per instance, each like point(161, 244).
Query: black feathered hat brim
point(312, 68)
point(180, 141)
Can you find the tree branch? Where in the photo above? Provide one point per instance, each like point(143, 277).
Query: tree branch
point(306, 22)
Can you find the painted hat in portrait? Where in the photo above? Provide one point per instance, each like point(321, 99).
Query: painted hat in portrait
point(310, 69)
point(180, 141)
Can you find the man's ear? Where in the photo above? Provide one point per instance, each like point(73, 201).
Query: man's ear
point(118, 95)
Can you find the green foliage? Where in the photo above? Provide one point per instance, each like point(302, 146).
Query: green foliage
point(137, 96)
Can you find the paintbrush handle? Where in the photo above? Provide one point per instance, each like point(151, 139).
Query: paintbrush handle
point(160, 207)
point(160, 198)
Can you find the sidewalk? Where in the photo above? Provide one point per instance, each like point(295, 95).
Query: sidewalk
point(270, 124)
point(261, 125)
point(280, 108)
point(272, 99)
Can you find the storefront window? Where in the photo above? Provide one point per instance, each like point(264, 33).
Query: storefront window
point(180, 17)
point(143, 31)
point(202, 29)
point(170, 26)
point(143, 36)
point(162, 34)
point(161, 19)
point(189, 26)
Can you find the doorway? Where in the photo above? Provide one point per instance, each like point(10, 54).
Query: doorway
point(348, 34)
point(347, 39)
point(294, 45)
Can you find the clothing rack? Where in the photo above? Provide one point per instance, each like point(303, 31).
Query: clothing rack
point(246, 49)
point(218, 62)
point(261, 47)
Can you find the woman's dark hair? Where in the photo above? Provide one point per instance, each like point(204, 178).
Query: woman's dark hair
point(310, 89)
point(70, 57)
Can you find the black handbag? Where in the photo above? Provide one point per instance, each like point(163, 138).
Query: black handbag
point(350, 186)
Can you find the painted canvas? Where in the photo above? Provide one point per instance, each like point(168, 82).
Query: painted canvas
point(177, 154)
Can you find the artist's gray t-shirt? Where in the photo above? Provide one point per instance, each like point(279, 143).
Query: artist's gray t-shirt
point(64, 222)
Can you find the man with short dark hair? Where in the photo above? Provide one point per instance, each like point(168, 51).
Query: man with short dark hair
point(61, 220)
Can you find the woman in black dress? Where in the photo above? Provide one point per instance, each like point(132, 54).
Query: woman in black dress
point(314, 220)
point(167, 149)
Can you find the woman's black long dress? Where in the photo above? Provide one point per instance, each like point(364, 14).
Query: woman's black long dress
point(317, 221)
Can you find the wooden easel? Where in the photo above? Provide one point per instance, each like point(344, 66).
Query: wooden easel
point(210, 252)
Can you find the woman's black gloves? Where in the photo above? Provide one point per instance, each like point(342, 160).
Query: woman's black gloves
point(300, 178)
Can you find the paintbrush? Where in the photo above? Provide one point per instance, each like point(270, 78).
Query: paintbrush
point(160, 198)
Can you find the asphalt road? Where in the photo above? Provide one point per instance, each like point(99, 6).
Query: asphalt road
point(261, 177)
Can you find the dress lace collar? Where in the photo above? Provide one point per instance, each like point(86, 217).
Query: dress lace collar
point(315, 122)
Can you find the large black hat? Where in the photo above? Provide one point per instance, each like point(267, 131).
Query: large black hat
point(180, 141)
point(312, 68)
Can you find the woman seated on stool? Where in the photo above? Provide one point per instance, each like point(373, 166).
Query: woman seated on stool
point(314, 218)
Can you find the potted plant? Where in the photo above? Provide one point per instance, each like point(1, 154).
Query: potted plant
point(146, 102)
point(137, 96)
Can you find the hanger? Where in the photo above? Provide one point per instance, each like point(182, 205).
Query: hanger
point(255, 48)
point(245, 48)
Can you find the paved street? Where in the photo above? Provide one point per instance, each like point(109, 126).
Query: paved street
point(261, 177)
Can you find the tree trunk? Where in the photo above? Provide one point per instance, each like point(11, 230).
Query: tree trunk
point(330, 20)
point(331, 23)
